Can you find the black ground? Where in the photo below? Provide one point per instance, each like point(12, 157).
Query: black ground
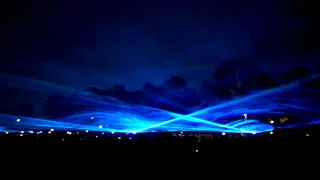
point(287, 154)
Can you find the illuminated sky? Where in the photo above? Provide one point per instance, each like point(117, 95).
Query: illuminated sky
point(77, 43)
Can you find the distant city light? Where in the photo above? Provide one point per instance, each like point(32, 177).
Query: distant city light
point(271, 132)
point(51, 129)
point(18, 120)
point(112, 132)
point(119, 137)
point(102, 133)
point(271, 121)
point(31, 132)
point(22, 132)
point(181, 132)
point(134, 132)
point(307, 135)
point(223, 133)
point(253, 132)
point(245, 116)
point(87, 131)
point(7, 132)
point(100, 126)
point(96, 136)
point(92, 117)
point(197, 150)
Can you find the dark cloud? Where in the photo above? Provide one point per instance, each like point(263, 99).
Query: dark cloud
point(79, 43)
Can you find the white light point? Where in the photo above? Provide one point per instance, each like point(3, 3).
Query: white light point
point(7, 132)
point(181, 132)
point(96, 136)
point(102, 133)
point(223, 133)
point(51, 129)
point(253, 132)
point(134, 132)
point(271, 132)
point(18, 120)
point(31, 132)
point(112, 132)
point(271, 122)
point(22, 132)
point(92, 117)
point(49, 132)
point(197, 150)
point(245, 116)
point(100, 126)
point(87, 131)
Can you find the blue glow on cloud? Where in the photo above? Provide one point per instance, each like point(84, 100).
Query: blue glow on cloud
point(133, 120)
point(112, 115)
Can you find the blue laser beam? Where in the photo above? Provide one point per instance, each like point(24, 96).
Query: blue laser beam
point(123, 120)
point(241, 100)
point(116, 116)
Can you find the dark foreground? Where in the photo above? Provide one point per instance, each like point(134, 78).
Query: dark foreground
point(284, 155)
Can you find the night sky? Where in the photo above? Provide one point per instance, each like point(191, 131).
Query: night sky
point(102, 43)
